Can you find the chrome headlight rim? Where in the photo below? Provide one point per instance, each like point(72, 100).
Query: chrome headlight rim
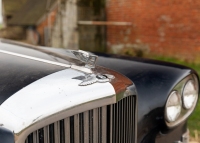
point(196, 87)
point(172, 94)
point(185, 113)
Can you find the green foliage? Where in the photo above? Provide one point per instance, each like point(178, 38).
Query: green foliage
point(194, 120)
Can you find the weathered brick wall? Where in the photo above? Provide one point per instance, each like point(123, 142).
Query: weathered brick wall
point(165, 27)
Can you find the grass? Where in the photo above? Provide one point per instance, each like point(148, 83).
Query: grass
point(194, 119)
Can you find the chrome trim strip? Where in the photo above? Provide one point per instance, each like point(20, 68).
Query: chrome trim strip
point(35, 59)
point(79, 68)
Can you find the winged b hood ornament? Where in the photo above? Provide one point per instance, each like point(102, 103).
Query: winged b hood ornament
point(85, 57)
point(90, 61)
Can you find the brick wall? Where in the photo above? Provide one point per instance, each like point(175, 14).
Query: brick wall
point(164, 27)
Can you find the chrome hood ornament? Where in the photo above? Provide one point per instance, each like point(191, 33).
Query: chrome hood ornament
point(90, 61)
point(85, 57)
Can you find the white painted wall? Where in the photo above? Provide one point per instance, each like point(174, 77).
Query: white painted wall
point(66, 22)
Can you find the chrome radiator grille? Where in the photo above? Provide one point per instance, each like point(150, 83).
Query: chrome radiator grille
point(112, 124)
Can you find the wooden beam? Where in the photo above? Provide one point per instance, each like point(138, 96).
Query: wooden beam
point(115, 23)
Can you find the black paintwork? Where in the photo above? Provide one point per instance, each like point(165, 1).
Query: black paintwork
point(153, 79)
point(173, 135)
point(17, 72)
point(6, 136)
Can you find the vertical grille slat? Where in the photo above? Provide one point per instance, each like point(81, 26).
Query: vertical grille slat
point(104, 126)
point(46, 134)
point(127, 125)
point(35, 137)
point(57, 132)
point(95, 126)
point(76, 128)
point(100, 125)
point(86, 127)
point(113, 123)
point(132, 123)
point(127, 121)
point(122, 121)
point(67, 130)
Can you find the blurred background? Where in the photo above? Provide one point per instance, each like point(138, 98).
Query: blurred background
point(159, 29)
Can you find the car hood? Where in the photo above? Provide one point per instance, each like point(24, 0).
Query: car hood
point(36, 85)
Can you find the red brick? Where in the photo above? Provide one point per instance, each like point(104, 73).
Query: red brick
point(169, 27)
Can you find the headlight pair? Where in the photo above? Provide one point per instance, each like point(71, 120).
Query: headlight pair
point(182, 101)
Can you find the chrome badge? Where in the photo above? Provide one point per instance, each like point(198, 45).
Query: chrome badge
point(93, 78)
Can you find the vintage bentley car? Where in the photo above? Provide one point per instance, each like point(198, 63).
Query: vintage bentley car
point(50, 95)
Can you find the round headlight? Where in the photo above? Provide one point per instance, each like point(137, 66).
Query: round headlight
point(173, 107)
point(190, 93)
